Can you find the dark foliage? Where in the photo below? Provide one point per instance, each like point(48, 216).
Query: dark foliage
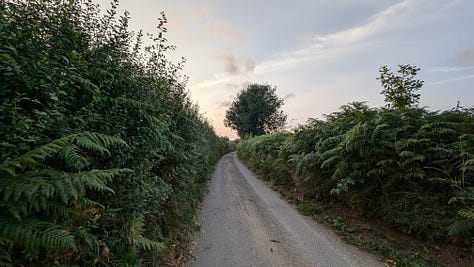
point(103, 157)
point(256, 110)
point(408, 167)
point(400, 90)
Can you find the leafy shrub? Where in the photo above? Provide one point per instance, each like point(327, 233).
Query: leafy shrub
point(262, 154)
point(409, 167)
point(103, 156)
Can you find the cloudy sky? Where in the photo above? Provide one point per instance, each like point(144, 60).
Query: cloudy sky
point(320, 54)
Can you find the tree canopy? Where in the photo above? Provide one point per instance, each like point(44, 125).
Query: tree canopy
point(256, 110)
point(400, 90)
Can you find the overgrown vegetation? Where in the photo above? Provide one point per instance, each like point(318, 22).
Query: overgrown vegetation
point(103, 156)
point(408, 167)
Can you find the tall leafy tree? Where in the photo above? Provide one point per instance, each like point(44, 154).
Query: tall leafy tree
point(256, 110)
point(400, 90)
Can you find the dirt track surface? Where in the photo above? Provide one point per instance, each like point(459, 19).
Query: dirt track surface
point(244, 223)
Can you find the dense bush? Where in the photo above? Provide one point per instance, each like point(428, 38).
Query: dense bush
point(261, 153)
point(408, 166)
point(103, 156)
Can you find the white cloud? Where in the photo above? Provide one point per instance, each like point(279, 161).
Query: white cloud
point(450, 69)
point(455, 79)
point(336, 43)
point(218, 80)
point(344, 41)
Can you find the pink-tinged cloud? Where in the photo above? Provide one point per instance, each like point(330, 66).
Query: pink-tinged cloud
point(465, 57)
point(288, 96)
point(217, 29)
point(230, 64)
point(234, 66)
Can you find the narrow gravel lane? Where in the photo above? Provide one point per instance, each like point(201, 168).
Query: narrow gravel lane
point(244, 223)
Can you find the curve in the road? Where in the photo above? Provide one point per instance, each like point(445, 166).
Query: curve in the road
point(244, 223)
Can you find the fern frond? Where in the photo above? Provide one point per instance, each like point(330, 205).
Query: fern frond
point(445, 181)
point(33, 157)
point(33, 234)
point(411, 142)
point(25, 186)
point(379, 130)
point(467, 213)
point(406, 154)
point(461, 227)
point(311, 159)
point(70, 186)
point(85, 202)
point(416, 173)
point(329, 162)
point(439, 128)
point(355, 137)
point(335, 152)
point(104, 175)
point(72, 157)
point(135, 235)
point(42, 189)
point(341, 171)
point(442, 152)
point(16, 210)
point(469, 162)
point(331, 141)
point(95, 142)
point(386, 163)
point(148, 244)
point(91, 142)
point(467, 136)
